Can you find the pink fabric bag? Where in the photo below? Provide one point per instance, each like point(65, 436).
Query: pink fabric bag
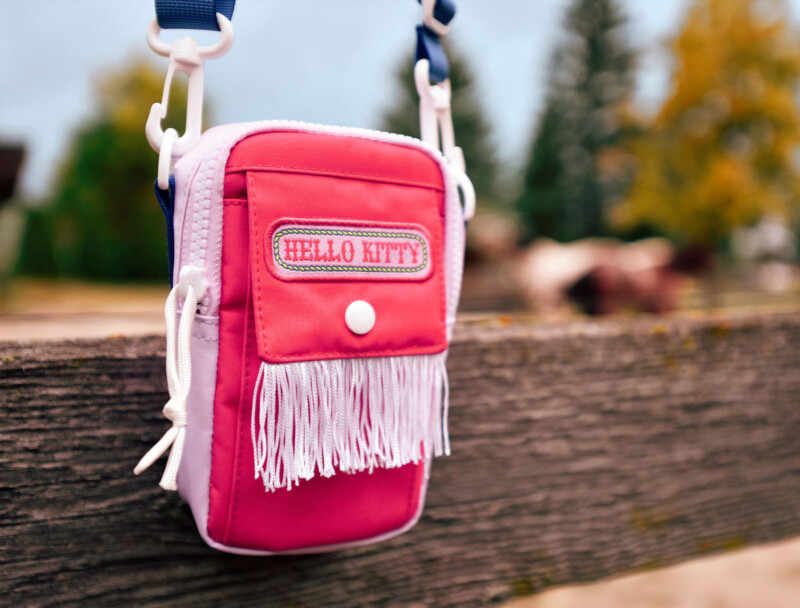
point(316, 275)
point(318, 271)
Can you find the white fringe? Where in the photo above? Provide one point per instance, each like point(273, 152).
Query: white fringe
point(348, 415)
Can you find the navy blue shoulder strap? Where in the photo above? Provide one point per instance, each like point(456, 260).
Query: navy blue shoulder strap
point(429, 44)
point(201, 15)
point(443, 11)
point(192, 14)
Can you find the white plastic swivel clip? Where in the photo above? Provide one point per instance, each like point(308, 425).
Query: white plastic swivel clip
point(184, 56)
point(434, 116)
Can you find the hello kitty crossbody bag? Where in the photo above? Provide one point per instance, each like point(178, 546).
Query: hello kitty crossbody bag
point(316, 274)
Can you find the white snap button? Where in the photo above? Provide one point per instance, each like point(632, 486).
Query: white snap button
point(360, 317)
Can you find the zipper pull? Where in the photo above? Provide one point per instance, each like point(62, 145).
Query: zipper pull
point(192, 287)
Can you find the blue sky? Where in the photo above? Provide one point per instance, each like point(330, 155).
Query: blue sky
point(328, 61)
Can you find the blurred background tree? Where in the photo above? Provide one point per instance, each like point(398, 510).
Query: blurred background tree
point(721, 151)
point(472, 129)
point(103, 221)
point(578, 165)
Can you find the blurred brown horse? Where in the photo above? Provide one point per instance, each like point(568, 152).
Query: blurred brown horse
point(605, 276)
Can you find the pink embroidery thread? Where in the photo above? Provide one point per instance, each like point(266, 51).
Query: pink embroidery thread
point(335, 250)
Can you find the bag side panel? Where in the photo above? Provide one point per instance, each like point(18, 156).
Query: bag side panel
point(194, 473)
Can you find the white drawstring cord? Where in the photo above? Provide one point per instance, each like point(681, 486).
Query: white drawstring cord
point(179, 379)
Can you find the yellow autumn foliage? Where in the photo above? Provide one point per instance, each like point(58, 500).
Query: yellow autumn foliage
point(125, 96)
point(721, 151)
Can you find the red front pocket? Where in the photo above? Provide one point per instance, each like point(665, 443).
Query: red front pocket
point(327, 250)
point(320, 242)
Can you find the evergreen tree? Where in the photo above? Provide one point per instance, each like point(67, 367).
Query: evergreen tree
point(472, 130)
point(721, 152)
point(577, 165)
point(103, 221)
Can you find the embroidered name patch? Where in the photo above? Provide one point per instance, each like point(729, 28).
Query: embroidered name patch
point(350, 251)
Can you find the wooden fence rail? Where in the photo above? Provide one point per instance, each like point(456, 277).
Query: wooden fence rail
point(580, 451)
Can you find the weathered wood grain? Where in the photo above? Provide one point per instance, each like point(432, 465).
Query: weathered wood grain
point(580, 451)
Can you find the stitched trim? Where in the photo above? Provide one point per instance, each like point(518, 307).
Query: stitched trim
point(364, 270)
point(330, 232)
point(433, 349)
point(250, 345)
point(205, 339)
point(206, 320)
point(370, 177)
point(183, 233)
